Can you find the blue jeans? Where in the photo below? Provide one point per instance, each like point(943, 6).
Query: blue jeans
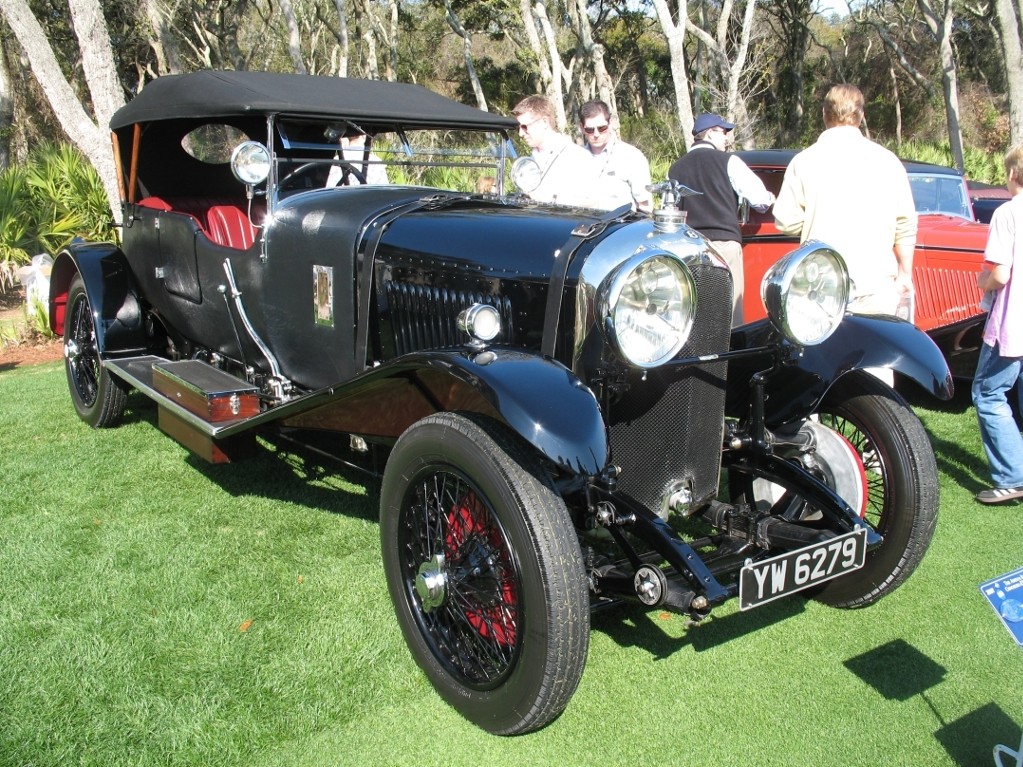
point(998, 430)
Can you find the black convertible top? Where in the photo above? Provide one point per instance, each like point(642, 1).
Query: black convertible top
point(372, 102)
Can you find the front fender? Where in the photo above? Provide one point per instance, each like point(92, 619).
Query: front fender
point(861, 341)
point(112, 293)
point(538, 398)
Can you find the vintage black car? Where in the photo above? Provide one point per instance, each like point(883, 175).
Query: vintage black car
point(560, 413)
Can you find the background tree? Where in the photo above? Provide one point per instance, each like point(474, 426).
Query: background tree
point(1010, 19)
point(727, 51)
point(87, 127)
point(673, 23)
point(939, 17)
point(6, 107)
point(789, 21)
point(655, 61)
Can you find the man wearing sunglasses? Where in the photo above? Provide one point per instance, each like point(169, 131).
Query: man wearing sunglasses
point(565, 173)
point(623, 172)
point(723, 180)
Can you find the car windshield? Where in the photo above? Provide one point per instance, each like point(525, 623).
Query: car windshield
point(934, 193)
point(458, 160)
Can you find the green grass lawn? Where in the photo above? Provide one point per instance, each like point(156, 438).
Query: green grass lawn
point(157, 610)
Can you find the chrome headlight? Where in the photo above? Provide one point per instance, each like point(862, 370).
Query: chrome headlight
point(481, 322)
point(806, 293)
point(649, 309)
point(250, 163)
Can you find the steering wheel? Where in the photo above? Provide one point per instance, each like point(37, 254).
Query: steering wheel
point(347, 171)
point(300, 171)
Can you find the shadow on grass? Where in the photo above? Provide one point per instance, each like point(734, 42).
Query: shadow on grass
point(971, 739)
point(917, 396)
point(293, 478)
point(968, 740)
point(960, 464)
point(280, 471)
point(292, 475)
point(917, 673)
point(630, 626)
point(967, 469)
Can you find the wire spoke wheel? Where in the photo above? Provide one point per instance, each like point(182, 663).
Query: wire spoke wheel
point(902, 485)
point(98, 397)
point(485, 571)
point(873, 451)
point(457, 565)
point(874, 467)
point(80, 350)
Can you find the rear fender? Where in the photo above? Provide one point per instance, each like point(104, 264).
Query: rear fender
point(112, 293)
point(860, 342)
point(538, 398)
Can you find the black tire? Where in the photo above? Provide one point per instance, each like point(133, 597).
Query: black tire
point(98, 397)
point(484, 570)
point(902, 485)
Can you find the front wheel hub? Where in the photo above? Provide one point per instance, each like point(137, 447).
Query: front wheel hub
point(431, 583)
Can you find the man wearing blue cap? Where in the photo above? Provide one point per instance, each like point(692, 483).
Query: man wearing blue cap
point(723, 180)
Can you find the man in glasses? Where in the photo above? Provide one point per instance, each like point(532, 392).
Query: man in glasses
point(623, 172)
point(723, 180)
point(565, 172)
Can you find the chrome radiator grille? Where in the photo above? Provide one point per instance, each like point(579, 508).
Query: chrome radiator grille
point(667, 429)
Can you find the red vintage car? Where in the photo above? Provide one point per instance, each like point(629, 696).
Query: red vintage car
point(949, 252)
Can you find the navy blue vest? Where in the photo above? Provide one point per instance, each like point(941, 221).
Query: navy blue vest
point(714, 214)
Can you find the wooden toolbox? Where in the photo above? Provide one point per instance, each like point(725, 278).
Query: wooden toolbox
point(204, 390)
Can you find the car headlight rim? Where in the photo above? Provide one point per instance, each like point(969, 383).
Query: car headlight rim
point(250, 163)
point(806, 293)
point(649, 308)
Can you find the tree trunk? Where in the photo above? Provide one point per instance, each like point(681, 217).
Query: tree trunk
point(729, 71)
point(940, 27)
point(558, 73)
point(364, 26)
point(165, 46)
point(595, 52)
point(388, 35)
point(793, 17)
point(342, 34)
point(6, 113)
point(736, 100)
point(91, 136)
point(675, 35)
point(1009, 21)
point(897, 100)
point(294, 36)
point(470, 67)
point(529, 23)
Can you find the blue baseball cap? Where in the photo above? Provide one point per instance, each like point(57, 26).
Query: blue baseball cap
point(709, 120)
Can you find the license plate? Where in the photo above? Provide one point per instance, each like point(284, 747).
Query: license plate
point(770, 579)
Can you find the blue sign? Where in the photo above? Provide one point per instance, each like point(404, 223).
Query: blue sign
point(1005, 593)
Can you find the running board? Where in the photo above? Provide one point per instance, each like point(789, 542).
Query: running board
point(197, 403)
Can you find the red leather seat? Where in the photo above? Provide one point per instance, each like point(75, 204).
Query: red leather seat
point(230, 226)
point(225, 223)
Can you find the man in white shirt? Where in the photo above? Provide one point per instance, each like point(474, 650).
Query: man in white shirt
point(854, 195)
point(352, 149)
point(566, 172)
point(623, 172)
